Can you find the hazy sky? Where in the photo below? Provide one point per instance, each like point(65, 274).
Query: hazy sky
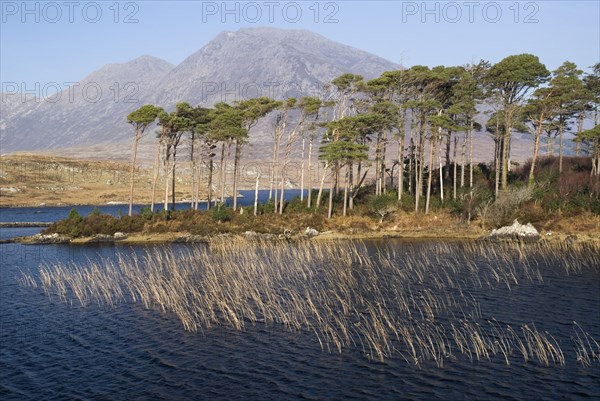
point(63, 41)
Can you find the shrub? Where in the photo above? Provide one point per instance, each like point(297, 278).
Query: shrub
point(468, 202)
point(504, 209)
point(159, 228)
point(74, 216)
point(383, 205)
point(146, 212)
point(407, 203)
point(128, 224)
point(295, 205)
point(268, 207)
point(221, 213)
point(595, 206)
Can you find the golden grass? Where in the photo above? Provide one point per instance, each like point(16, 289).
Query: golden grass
point(413, 302)
point(55, 180)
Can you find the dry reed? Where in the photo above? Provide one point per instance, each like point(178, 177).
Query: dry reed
point(416, 301)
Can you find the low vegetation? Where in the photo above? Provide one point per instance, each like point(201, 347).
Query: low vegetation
point(564, 203)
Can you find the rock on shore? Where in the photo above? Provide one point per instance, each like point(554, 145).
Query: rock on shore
point(516, 231)
point(48, 239)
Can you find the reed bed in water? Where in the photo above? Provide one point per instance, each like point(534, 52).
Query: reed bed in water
point(415, 302)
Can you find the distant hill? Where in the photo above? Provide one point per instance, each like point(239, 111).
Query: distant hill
point(232, 66)
point(92, 112)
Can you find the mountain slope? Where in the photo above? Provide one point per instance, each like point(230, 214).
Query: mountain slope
point(264, 61)
point(235, 65)
point(91, 112)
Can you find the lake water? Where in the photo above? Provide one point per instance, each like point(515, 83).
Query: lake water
point(54, 213)
point(53, 350)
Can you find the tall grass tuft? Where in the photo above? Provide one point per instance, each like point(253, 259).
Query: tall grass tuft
point(414, 302)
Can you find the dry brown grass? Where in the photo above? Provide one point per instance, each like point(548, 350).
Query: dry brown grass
point(584, 223)
point(416, 304)
point(53, 180)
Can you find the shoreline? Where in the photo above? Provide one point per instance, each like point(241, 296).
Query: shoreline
point(182, 237)
point(92, 203)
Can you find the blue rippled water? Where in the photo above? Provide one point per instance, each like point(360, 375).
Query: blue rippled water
point(54, 213)
point(54, 351)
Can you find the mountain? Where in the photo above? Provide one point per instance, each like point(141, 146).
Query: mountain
point(264, 61)
point(233, 66)
point(92, 111)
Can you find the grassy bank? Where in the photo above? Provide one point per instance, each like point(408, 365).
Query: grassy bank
point(558, 205)
point(193, 225)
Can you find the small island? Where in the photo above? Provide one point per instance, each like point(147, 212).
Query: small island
point(391, 156)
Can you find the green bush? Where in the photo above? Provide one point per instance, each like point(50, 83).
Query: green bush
point(595, 206)
point(268, 207)
point(221, 213)
point(146, 212)
point(128, 224)
point(295, 205)
point(456, 206)
point(159, 228)
point(74, 216)
point(383, 205)
point(407, 203)
point(435, 203)
point(469, 200)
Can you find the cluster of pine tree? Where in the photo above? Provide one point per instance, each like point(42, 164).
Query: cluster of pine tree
point(429, 114)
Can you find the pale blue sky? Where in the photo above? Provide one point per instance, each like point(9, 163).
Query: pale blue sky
point(34, 49)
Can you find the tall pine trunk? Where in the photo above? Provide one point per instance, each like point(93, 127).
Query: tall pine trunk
point(320, 194)
point(236, 163)
point(448, 150)
point(167, 165)
point(222, 173)
point(302, 170)
point(430, 176)
point(330, 206)
point(440, 167)
point(136, 139)
point(256, 194)
point(155, 175)
point(536, 148)
point(344, 207)
point(455, 168)
point(400, 166)
point(471, 128)
point(419, 166)
point(211, 166)
point(173, 178)
point(309, 183)
point(463, 157)
point(560, 148)
point(350, 185)
point(382, 170)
